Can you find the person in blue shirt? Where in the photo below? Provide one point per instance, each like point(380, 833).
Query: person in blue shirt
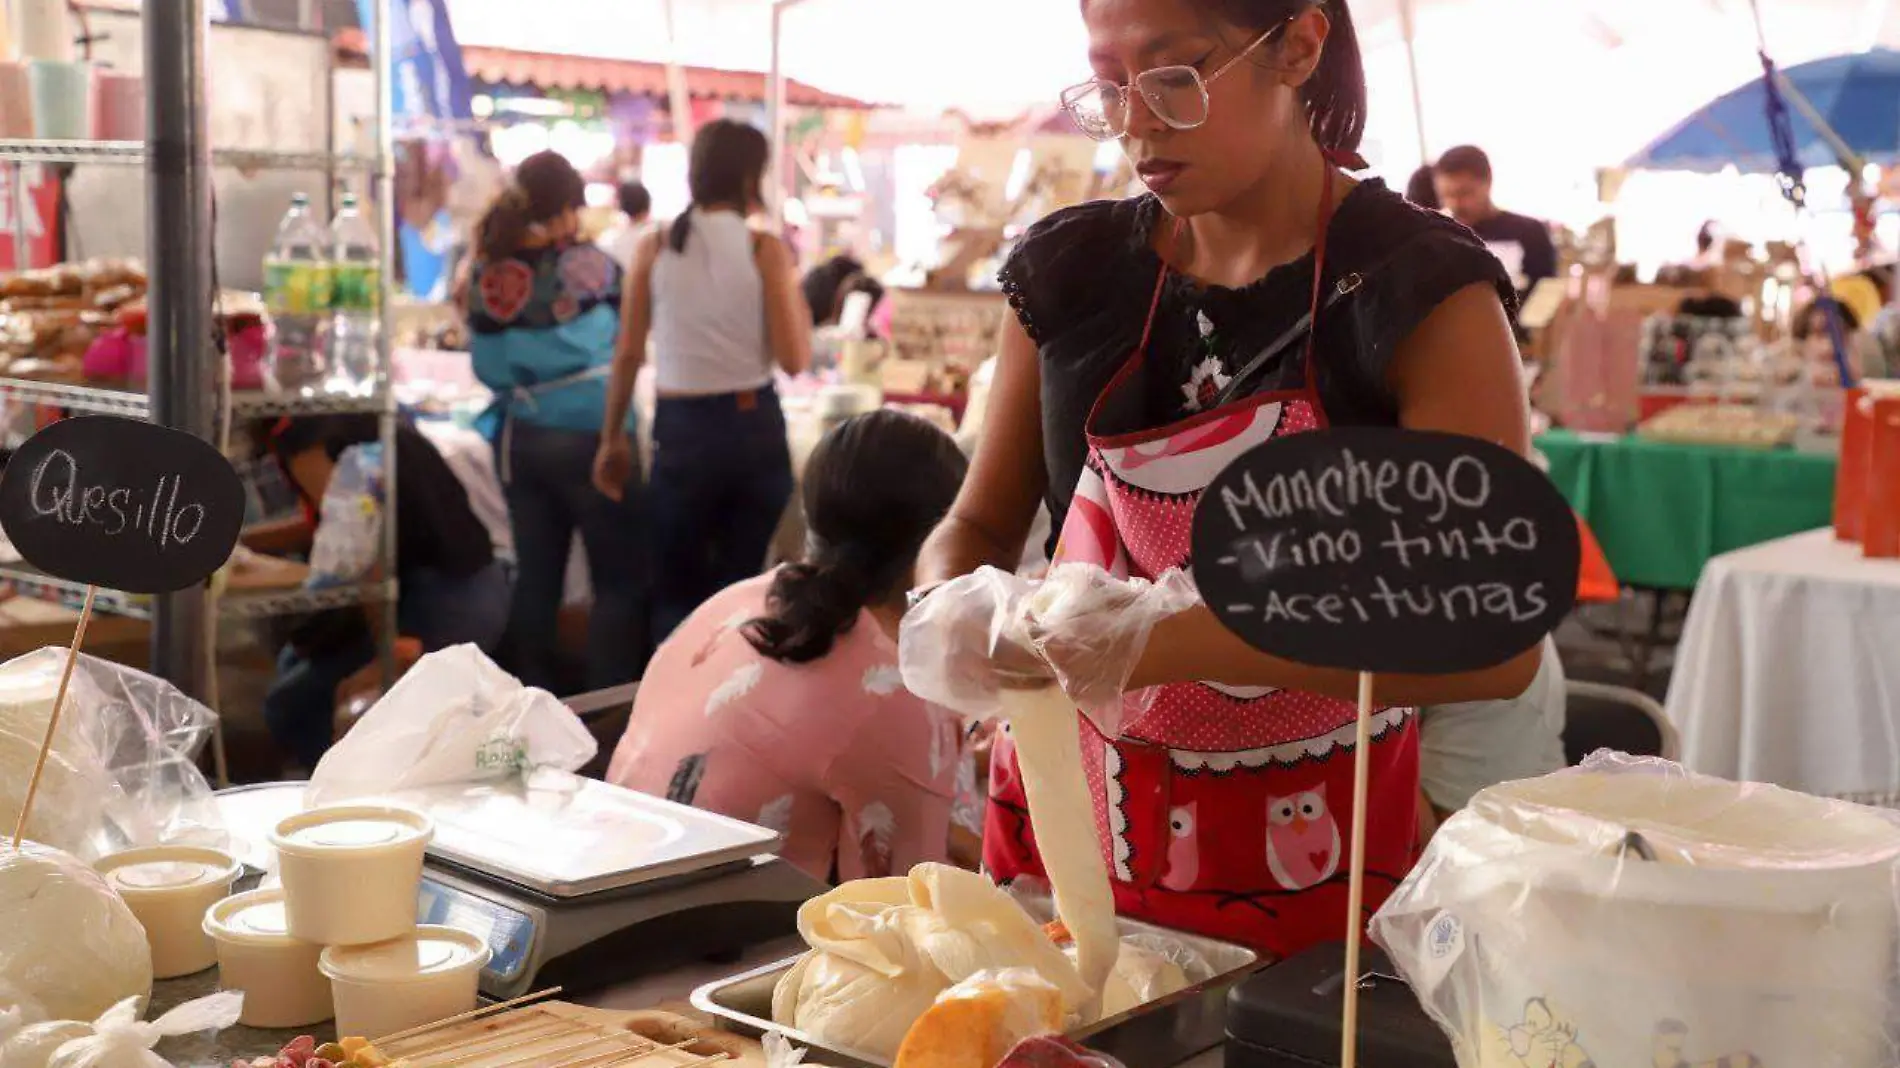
point(543, 309)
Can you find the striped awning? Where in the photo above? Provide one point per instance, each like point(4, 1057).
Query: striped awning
point(550, 70)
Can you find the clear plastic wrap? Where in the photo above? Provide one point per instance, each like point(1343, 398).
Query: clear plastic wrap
point(120, 1039)
point(69, 947)
point(884, 949)
point(33, 1046)
point(1629, 912)
point(454, 718)
point(1079, 627)
point(123, 771)
point(979, 1020)
point(780, 1053)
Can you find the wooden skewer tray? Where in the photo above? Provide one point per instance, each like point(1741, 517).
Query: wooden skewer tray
point(555, 1034)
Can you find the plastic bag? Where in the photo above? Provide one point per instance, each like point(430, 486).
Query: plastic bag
point(980, 1019)
point(454, 718)
point(884, 949)
point(69, 946)
point(1630, 912)
point(121, 1040)
point(1079, 627)
point(123, 771)
point(33, 1046)
point(349, 531)
point(780, 1053)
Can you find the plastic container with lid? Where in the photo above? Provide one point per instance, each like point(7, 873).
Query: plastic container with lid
point(430, 975)
point(351, 873)
point(282, 984)
point(169, 889)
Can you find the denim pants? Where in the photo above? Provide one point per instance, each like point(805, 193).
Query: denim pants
point(440, 611)
point(551, 495)
point(722, 476)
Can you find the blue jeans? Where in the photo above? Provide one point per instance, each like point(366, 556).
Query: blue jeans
point(722, 476)
point(551, 495)
point(440, 611)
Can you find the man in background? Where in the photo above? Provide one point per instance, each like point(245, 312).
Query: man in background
point(1462, 177)
point(620, 239)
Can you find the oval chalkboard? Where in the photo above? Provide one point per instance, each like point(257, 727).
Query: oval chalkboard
point(122, 504)
point(1386, 551)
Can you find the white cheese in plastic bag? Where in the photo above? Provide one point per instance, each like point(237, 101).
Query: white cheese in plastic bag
point(71, 946)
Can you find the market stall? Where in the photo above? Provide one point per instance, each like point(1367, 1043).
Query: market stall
point(1663, 510)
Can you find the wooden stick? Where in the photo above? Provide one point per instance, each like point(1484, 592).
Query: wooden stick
point(52, 721)
point(1356, 879)
point(477, 1014)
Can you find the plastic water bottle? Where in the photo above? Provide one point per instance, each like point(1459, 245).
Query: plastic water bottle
point(297, 291)
point(356, 290)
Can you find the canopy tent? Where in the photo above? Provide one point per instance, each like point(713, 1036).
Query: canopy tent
point(1856, 97)
point(1552, 88)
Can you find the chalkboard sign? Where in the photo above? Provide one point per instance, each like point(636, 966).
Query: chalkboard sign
point(121, 504)
point(1386, 551)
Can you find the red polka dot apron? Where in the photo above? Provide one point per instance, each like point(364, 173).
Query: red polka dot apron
point(1222, 811)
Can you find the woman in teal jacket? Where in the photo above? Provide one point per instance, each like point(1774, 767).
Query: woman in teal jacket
point(543, 311)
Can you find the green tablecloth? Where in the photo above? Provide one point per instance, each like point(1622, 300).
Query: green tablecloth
point(1661, 511)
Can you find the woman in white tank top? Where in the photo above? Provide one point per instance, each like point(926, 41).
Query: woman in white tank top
point(722, 304)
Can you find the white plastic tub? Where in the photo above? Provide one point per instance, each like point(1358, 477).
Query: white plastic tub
point(282, 984)
point(169, 889)
point(351, 872)
point(428, 976)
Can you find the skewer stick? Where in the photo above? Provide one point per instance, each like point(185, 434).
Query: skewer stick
point(52, 721)
point(1356, 879)
point(476, 1014)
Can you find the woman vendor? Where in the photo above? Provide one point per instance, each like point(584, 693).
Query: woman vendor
point(1257, 291)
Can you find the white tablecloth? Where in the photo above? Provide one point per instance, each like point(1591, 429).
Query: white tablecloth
point(1789, 670)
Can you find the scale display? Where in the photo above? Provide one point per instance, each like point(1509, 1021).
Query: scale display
point(510, 934)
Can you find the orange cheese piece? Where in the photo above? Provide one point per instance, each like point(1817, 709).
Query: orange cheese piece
point(977, 1026)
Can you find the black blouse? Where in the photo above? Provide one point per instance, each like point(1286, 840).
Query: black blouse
point(1081, 281)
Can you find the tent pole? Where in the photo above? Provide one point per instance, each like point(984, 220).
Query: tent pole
point(678, 98)
point(776, 121)
point(1408, 27)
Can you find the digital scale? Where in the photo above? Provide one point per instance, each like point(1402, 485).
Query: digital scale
point(575, 882)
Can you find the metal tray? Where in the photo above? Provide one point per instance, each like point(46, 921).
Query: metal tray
point(1160, 1034)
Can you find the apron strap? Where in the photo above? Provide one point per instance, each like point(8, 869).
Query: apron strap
point(1154, 303)
point(1319, 269)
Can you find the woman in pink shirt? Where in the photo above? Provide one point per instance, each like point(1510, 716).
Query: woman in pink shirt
point(779, 701)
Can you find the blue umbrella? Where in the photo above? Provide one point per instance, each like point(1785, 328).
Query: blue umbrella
point(1857, 95)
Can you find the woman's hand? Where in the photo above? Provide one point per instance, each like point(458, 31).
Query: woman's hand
point(613, 465)
point(961, 646)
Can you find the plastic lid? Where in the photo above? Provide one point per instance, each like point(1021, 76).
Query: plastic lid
point(351, 829)
point(168, 869)
point(429, 953)
point(256, 918)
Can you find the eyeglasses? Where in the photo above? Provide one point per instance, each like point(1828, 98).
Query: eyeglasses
point(1177, 95)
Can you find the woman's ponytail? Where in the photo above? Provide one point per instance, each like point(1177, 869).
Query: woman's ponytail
point(504, 225)
point(874, 489)
point(812, 604)
point(682, 227)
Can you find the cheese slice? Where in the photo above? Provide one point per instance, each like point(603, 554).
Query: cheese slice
point(1047, 731)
